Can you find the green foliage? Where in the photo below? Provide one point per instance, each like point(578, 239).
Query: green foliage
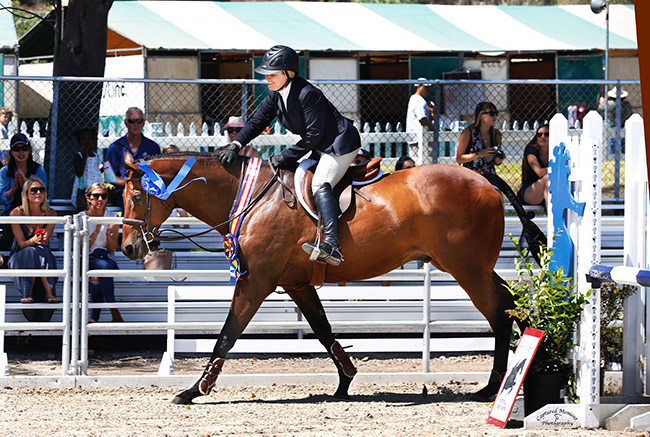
point(612, 299)
point(546, 300)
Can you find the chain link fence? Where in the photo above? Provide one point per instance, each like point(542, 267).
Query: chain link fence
point(192, 114)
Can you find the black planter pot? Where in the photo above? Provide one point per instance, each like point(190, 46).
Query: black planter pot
point(542, 389)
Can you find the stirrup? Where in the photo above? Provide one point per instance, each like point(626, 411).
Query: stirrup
point(325, 253)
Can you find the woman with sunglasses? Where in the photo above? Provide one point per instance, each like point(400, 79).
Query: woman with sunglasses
point(31, 249)
point(534, 169)
point(479, 146)
point(21, 166)
point(102, 243)
point(234, 125)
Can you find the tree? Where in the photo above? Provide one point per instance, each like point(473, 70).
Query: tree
point(79, 50)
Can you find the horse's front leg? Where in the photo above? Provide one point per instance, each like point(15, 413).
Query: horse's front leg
point(309, 303)
point(244, 305)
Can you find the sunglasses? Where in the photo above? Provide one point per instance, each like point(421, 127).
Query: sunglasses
point(98, 195)
point(542, 134)
point(491, 113)
point(23, 148)
point(233, 129)
point(34, 190)
point(135, 120)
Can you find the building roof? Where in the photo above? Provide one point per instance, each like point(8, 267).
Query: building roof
point(8, 38)
point(367, 27)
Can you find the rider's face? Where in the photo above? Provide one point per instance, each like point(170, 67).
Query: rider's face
point(276, 80)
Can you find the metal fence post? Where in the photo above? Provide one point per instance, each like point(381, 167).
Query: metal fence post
point(426, 315)
point(75, 296)
point(65, 340)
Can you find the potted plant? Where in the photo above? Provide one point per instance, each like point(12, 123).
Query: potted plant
point(545, 299)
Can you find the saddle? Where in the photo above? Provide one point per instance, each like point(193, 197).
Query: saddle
point(357, 176)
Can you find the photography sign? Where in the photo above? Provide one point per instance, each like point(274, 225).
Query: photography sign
point(514, 377)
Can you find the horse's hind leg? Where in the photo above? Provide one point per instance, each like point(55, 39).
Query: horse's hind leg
point(242, 309)
point(309, 303)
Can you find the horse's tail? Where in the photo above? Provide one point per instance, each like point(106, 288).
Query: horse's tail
point(533, 234)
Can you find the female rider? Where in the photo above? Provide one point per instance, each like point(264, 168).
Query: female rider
point(305, 111)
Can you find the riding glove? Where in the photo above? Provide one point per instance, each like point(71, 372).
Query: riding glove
point(279, 161)
point(228, 155)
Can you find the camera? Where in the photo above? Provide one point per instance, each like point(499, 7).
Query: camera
point(498, 152)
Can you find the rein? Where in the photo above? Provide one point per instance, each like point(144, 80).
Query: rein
point(152, 233)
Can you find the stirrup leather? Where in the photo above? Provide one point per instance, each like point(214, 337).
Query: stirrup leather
point(210, 375)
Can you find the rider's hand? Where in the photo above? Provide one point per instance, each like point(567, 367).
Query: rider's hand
point(279, 161)
point(228, 155)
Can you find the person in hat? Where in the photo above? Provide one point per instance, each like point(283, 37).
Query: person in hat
point(304, 110)
point(86, 166)
point(234, 125)
point(21, 166)
point(5, 115)
point(419, 113)
point(610, 102)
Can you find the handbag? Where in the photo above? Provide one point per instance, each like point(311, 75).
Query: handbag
point(161, 259)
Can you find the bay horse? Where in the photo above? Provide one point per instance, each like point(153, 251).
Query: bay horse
point(443, 214)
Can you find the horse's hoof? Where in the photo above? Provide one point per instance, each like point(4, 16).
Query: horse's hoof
point(486, 394)
point(342, 395)
point(185, 398)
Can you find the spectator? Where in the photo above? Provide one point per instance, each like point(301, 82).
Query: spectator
point(362, 156)
point(133, 142)
point(86, 167)
point(177, 212)
point(31, 248)
point(479, 146)
point(626, 107)
point(20, 167)
point(534, 169)
point(419, 113)
point(404, 163)
point(5, 115)
point(234, 125)
point(102, 243)
point(304, 109)
point(171, 148)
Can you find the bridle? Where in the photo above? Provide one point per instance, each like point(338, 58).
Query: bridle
point(151, 233)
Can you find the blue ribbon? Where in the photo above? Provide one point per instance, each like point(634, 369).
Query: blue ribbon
point(153, 184)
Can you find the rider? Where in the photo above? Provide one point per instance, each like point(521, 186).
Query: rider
point(304, 110)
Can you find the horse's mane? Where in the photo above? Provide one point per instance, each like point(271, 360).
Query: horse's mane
point(174, 155)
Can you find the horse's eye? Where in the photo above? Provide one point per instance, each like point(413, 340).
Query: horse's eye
point(137, 197)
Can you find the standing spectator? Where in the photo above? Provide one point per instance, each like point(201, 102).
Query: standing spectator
point(102, 243)
point(479, 146)
point(5, 114)
point(20, 167)
point(626, 107)
point(419, 112)
point(31, 248)
point(133, 142)
point(305, 111)
point(234, 125)
point(86, 167)
point(404, 163)
point(534, 169)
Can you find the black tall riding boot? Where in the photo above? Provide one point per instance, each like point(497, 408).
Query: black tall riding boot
point(329, 250)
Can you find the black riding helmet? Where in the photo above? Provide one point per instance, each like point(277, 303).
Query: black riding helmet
point(279, 58)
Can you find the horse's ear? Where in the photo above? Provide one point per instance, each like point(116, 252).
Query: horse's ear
point(128, 158)
point(136, 171)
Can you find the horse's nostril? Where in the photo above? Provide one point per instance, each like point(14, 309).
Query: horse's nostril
point(128, 250)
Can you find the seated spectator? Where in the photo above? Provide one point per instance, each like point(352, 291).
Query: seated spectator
point(133, 142)
point(20, 167)
point(479, 145)
point(86, 167)
point(362, 156)
point(534, 169)
point(102, 243)
point(234, 125)
point(5, 114)
point(171, 149)
point(404, 163)
point(31, 248)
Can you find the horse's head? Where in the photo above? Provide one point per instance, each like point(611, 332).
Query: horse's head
point(144, 213)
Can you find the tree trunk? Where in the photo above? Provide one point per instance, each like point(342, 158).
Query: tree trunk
point(81, 52)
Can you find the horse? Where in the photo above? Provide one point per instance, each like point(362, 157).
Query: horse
point(443, 214)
